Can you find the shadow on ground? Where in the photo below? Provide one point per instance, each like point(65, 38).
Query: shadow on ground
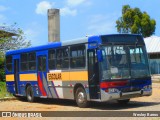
point(111, 105)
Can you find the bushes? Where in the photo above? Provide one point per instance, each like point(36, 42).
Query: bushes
point(2, 72)
point(3, 90)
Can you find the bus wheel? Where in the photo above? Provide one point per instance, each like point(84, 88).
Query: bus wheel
point(81, 98)
point(123, 101)
point(30, 94)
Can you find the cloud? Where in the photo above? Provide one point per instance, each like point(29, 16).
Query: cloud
point(74, 3)
point(43, 6)
point(68, 11)
point(101, 24)
point(3, 8)
point(70, 7)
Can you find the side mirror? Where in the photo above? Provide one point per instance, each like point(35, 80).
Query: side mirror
point(99, 55)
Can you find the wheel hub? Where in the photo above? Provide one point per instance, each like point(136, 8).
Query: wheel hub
point(81, 98)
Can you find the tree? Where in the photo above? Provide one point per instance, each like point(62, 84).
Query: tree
point(2, 73)
point(11, 38)
point(136, 22)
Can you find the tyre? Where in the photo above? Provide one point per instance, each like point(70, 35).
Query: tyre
point(81, 97)
point(123, 101)
point(30, 94)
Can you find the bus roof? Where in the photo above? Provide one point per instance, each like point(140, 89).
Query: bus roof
point(90, 39)
point(49, 46)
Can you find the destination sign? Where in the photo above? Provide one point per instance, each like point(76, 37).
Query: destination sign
point(54, 76)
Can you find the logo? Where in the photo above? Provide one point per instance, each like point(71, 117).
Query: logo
point(6, 114)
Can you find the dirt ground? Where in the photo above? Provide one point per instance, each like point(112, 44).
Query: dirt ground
point(70, 105)
point(151, 103)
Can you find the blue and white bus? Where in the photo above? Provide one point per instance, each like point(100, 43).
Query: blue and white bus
point(96, 68)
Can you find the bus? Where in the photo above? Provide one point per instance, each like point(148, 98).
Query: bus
point(95, 68)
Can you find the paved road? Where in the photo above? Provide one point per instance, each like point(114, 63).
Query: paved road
point(151, 103)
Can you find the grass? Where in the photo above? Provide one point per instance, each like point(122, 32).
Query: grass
point(3, 91)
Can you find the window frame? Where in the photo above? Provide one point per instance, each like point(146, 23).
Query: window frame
point(10, 63)
point(54, 59)
point(81, 57)
point(28, 62)
point(61, 59)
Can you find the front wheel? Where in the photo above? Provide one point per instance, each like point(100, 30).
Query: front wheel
point(30, 94)
point(125, 101)
point(81, 98)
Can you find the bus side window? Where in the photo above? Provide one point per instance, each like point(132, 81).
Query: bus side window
point(9, 63)
point(28, 61)
point(59, 59)
point(62, 58)
point(24, 62)
point(51, 59)
point(65, 58)
point(32, 61)
point(42, 63)
point(77, 56)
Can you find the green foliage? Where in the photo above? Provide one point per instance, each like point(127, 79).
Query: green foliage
point(136, 22)
point(2, 73)
point(11, 38)
point(3, 91)
point(13, 41)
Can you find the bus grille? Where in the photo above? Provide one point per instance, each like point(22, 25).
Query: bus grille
point(130, 89)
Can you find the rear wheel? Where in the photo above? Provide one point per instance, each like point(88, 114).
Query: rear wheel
point(81, 97)
point(123, 101)
point(30, 94)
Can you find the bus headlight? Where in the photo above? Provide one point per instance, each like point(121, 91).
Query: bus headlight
point(113, 90)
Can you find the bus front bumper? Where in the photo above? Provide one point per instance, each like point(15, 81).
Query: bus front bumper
point(105, 96)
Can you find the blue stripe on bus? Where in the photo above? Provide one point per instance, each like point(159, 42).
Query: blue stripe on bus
point(55, 89)
point(45, 80)
point(37, 48)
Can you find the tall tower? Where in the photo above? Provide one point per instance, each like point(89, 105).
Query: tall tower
point(53, 25)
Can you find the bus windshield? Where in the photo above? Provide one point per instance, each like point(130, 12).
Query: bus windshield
point(139, 62)
point(124, 62)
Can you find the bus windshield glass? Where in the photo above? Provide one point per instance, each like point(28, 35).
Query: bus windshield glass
point(124, 62)
point(139, 62)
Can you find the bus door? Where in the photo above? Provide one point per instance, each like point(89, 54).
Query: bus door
point(93, 75)
point(16, 74)
point(42, 70)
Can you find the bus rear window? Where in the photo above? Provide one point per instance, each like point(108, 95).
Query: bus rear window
point(9, 63)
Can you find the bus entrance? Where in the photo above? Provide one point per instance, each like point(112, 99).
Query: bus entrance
point(16, 74)
point(42, 71)
point(93, 75)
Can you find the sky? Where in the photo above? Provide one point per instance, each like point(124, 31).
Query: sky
point(78, 18)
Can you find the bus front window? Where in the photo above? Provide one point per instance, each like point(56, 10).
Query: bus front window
point(139, 63)
point(115, 64)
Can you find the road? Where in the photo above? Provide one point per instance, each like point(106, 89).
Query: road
point(151, 103)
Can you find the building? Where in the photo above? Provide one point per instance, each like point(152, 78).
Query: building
point(153, 49)
point(5, 32)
